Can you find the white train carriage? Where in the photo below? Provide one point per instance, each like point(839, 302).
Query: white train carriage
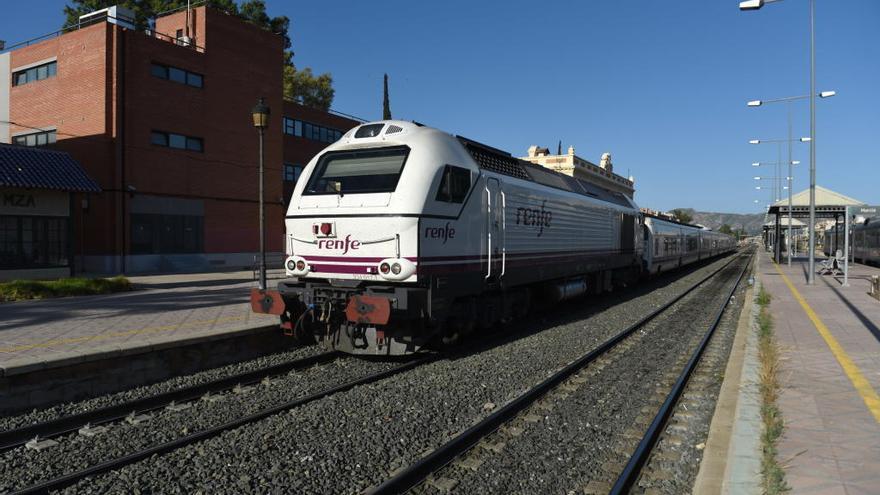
point(866, 242)
point(399, 233)
point(670, 245)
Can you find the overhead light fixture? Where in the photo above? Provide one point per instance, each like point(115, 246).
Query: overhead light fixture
point(754, 141)
point(827, 94)
point(754, 103)
point(751, 4)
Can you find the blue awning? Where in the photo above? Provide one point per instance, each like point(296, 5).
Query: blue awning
point(41, 168)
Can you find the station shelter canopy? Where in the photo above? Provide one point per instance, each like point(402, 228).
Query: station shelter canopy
point(829, 204)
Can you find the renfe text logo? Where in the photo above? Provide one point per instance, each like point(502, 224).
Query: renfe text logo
point(343, 244)
point(533, 217)
point(446, 232)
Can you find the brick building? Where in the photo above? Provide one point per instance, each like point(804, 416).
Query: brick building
point(160, 119)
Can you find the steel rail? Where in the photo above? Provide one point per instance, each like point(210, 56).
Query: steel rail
point(633, 468)
point(69, 479)
point(421, 469)
point(11, 439)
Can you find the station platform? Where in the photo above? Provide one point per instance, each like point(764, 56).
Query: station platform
point(162, 310)
point(829, 337)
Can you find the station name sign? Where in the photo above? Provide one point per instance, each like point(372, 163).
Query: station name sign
point(864, 210)
point(34, 202)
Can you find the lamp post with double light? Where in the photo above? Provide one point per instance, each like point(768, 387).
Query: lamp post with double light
point(755, 5)
point(260, 115)
point(790, 173)
point(787, 100)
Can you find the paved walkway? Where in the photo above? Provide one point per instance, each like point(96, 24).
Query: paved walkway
point(830, 376)
point(163, 308)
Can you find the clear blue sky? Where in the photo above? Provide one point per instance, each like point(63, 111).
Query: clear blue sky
point(660, 84)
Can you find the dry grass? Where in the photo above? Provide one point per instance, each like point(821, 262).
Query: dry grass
point(768, 354)
point(18, 290)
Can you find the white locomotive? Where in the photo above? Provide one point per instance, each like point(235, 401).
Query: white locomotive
point(398, 234)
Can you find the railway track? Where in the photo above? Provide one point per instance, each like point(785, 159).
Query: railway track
point(437, 460)
point(16, 438)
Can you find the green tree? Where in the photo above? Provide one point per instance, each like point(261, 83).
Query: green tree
point(725, 229)
point(298, 85)
point(682, 215)
point(386, 104)
point(310, 90)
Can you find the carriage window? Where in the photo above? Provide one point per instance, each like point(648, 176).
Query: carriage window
point(362, 171)
point(455, 184)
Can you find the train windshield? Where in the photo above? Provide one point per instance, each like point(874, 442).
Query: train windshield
point(361, 171)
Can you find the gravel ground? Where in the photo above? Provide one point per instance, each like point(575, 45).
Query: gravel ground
point(22, 467)
point(40, 415)
point(353, 440)
point(574, 440)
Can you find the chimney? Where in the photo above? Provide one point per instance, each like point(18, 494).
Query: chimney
point(533, 150)
point(571, 150)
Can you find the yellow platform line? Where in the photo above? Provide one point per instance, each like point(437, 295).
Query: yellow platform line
point(126, 333)
point(863, 387)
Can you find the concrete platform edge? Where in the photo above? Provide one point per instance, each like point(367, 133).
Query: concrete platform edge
point(22, 366)
point(731, 462)
point(72, 378)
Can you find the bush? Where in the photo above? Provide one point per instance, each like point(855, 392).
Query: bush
point(18, 290)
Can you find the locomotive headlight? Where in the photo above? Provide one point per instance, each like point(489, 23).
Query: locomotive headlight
point(397, 269)
point(296, 266)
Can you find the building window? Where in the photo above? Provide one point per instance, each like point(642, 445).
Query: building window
point(177, 75)
point(315, 132)
point(167, 234)
point(37, 73)
point(41, 138)
point(177, 141)
point(33, 242)
point(292, 172)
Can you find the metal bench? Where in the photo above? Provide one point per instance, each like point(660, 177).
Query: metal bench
point(832, 266)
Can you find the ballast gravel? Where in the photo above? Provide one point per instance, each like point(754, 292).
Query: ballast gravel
point(22, 467)
point(353, 440)
point(579, 439)
point(41, 415)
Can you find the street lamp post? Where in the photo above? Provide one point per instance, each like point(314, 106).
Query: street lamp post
point(755, 5)
point(787, 100)
point(791, 162)
point(260, 114)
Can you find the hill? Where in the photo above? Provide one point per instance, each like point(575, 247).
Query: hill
point(751, 222)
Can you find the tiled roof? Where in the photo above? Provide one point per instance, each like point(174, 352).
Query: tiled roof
point(41, 168)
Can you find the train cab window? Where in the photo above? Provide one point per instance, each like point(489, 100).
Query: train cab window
point(455, 185)
point(358, 172)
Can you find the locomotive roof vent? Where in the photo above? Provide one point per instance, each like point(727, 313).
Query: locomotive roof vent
point(393, 129)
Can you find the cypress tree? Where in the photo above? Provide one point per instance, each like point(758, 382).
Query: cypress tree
point(386, 105)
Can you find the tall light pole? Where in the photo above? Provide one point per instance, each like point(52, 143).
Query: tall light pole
point(787, 100)
point(755, 5)
point(260, 114)
point(791, 162)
